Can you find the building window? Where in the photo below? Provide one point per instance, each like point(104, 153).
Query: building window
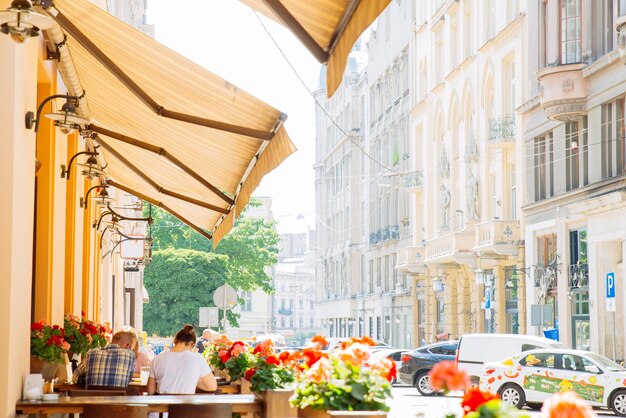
point(513, 192)
point(544, 167)
point(607, 38)
point(291, 322)
point(572, 156)
point(371, 327)
point(488, 12)
point(612, 142)
point(379, 328)
point(282, 322)
point(246, 306)
point(570, 31)
point(543, 29)
point(454, 41)
point(438, 54)
point(467, 29)
point(440, 315)
point(511, 286)
point(622, 7)
point(578, 271)
point(511, 10)
point(509, 86)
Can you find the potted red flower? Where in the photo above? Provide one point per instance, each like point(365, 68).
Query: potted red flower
point(47, 348)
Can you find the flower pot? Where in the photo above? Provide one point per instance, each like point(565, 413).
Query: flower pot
point(47, 370)
point(312, 413)
point(357, 414)
point(277, 403)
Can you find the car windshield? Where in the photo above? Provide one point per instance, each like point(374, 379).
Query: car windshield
point(605, 362)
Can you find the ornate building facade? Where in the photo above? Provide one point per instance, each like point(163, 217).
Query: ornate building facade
point(574, 165)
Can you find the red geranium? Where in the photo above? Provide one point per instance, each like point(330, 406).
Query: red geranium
point(272, 360)
point(249, 374)
point(474, 397)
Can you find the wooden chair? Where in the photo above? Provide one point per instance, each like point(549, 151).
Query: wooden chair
point(114, 411)
point(96, 392)
point(200, 411)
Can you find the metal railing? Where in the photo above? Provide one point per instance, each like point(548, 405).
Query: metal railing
point(390, 232)
point(502, 129)
point(412, 180)
point(578, 275)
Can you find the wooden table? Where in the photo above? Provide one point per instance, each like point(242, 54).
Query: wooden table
point(223, 389)
point(246, 405)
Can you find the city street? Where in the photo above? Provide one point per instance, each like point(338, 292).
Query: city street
point(408, 403)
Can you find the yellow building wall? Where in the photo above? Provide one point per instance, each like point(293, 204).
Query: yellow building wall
point(18, 66)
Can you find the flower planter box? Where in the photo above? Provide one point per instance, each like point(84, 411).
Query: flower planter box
point(277, 404)
point(313, 413)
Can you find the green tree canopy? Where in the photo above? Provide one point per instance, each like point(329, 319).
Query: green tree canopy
point(245, 253)
point(180, 282)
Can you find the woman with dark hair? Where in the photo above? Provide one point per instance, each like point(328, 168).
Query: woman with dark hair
point(181, 370)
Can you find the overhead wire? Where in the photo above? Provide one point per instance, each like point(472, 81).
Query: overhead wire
point(317, 103)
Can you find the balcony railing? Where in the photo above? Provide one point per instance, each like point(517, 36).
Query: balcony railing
point(502, 129)
point(498, 235)
point(388, 233)
point(285, 311)
point(578, 275)
point(413, 180)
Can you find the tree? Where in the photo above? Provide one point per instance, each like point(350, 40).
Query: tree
point(179, 282)
point(247, 250)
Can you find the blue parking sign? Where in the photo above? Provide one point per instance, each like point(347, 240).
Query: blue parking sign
point(610, 285)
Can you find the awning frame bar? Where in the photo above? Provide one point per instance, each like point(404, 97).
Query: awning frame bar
point(142, 196)
point(343, 23)
point(114, 69)
point(305, 37)
point(154, 184)
point(162, 152)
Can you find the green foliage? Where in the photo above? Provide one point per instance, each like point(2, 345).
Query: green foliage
point(244, 253)
point(343, 385)
point(270, 375)
point(179, 282)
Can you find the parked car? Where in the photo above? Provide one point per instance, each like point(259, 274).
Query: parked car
point(416, 364)
point(533, 376)
point(394, 354)
point(477, 349)
point(335, 342)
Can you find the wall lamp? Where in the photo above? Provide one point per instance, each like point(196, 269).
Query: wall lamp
point(116, 217)
point(67, 119)
point(90, 162)
point(103, 194)
point(20, 22)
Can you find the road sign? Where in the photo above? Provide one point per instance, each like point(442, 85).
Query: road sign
point(209, 317)
point(610, 305)
point(610, 285)
point(225, 297)
point(487, 298)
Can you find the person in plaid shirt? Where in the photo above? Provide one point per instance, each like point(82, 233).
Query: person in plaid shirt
point(112, 365)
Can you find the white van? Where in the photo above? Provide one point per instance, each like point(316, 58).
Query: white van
point(477, 349)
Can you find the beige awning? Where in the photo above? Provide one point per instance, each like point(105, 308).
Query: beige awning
point(171, 132)
point(328, 28)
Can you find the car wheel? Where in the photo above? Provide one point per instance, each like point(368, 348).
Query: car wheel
point(512, 394)
point(422, 383)
point(618, 403)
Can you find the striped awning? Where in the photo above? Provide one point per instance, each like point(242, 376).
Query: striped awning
point(172, 133)
point(328, 28)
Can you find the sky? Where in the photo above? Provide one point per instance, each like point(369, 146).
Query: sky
point(226, 38)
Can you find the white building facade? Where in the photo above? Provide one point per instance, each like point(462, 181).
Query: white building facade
point(574, 149)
